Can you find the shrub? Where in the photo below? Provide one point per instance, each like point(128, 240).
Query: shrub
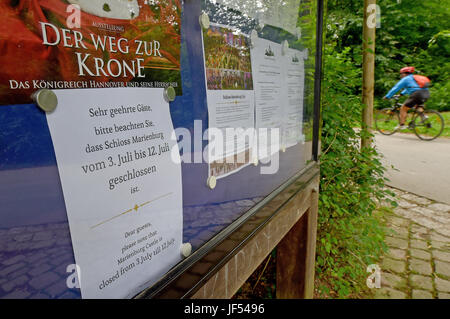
point(350, 237)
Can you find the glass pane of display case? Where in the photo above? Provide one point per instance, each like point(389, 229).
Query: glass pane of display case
point(132, 129)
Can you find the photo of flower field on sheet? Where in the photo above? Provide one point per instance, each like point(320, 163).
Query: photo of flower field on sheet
point(227, 59)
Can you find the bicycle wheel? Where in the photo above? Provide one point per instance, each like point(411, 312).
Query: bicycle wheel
point(428, 124)
point(386, 120)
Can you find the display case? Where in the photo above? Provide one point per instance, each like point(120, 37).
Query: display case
point(157, 149)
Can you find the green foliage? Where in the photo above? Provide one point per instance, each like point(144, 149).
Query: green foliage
point(412, 32)
point(440, 97)
point(415, 33)
point(350, 235)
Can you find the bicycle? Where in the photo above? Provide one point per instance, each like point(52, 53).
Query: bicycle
point(426, 124)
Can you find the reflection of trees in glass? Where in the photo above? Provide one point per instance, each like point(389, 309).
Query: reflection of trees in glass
point(222, 13)
point(279, 13)
point(307, 21)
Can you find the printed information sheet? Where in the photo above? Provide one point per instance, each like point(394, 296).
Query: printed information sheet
point(267, 61)
point(293, 90)
point(230, 99)
point(122, 188)
point(279, 88)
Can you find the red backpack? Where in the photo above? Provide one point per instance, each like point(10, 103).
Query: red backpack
point(423, 81)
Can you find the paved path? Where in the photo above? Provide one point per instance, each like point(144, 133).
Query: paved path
point(421, 167)
point(417, 264)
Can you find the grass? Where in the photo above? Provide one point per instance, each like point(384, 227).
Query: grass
point(262, 283)
point(389, 125)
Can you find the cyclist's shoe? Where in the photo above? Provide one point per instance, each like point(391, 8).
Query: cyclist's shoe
point(401, 127)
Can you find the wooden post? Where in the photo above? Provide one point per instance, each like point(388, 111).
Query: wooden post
point(291, 262)
point(296, 255)
point(369, 27)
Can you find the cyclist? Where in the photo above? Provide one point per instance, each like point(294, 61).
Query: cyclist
point(418, 94)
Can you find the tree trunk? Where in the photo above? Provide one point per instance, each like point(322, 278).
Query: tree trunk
point(369, 27)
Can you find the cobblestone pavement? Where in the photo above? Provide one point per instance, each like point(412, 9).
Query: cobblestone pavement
point(34, 259)
point(417, 265)
point(33, 262)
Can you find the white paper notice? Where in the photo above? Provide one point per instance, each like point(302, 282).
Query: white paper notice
point(268, 78)
point(122, 189)
point(294, 90)
point(230, 99)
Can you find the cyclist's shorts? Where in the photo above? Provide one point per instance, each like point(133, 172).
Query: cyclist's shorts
point(417, 98)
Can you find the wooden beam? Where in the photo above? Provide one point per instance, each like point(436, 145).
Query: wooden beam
point(310, 260)
point(291, 261)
